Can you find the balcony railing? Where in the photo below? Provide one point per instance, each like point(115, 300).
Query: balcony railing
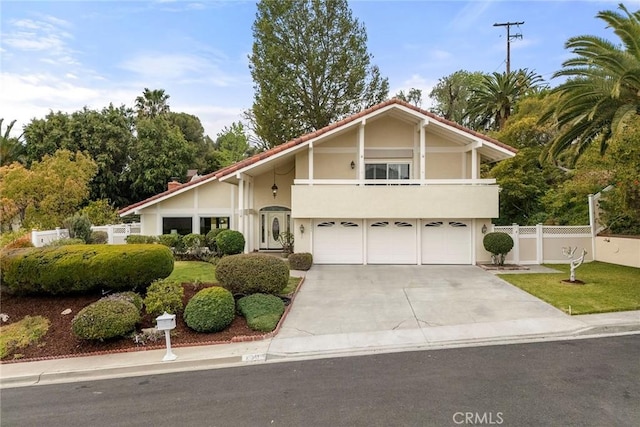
point(489, 181)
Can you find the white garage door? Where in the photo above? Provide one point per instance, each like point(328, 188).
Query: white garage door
point(446, 242)
point(391, 242)
point(337, 242)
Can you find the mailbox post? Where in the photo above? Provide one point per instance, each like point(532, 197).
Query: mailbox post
point(166, 323)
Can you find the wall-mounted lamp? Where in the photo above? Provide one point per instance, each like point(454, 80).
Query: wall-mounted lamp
point(274, 187)
point(484, 228)
point(301, 228)
point(353, 164)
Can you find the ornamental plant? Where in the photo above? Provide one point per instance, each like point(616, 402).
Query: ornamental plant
point(210, 310)
point(499, 244)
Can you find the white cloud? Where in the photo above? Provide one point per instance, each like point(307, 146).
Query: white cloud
point(418, 82)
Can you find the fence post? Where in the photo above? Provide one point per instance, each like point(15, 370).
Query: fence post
point(34, 237)
point(592, 223)
point(516, 243)
point(539, 244)
point(58, 232)
point(110, 233)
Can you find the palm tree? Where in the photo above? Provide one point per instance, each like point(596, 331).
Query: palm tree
point(603, 89)
point(152, 103)
point(11, 149)
point(492, 103)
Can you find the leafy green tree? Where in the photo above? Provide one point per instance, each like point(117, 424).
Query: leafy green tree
point(452, 93)
point(232, 144)
point(207, 160)
point(310, 67)
point(11, 148)
point(603, 89)
point(159, 154)
point(100, 212)
point(51, 190)
point(493, 102)
point(413, 96)
point(152, 103)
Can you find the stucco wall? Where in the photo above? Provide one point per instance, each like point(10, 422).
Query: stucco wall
point(388, 132)
point(618, 250)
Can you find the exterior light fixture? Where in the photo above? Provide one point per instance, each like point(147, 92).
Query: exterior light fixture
point(301, 228)
point(353, 164)
point(484, 228)
point(274, 187)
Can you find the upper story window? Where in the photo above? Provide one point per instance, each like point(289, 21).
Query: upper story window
point(387, 171)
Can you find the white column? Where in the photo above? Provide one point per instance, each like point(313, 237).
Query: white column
point(539, 244)
point(158, 220)
point(423, 151)
point(195, 219)
point(516, 243)
point(474, 163)
point(241, 204)
point(361, 152)
point(310, 163)
point(419, 238)
point(594, 226)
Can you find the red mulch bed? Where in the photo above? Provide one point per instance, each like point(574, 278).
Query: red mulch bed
point(61, 342)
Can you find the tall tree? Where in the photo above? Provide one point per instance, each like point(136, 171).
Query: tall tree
point(310, 67)
point(11, 148)
point(152, 103)
point(412, 96)
point(232, 144)
point(603, 90)
point(492, 103)
point(452, 93)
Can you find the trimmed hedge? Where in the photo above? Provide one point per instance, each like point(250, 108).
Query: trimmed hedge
point(164, 295)
point(129, 296)
point(210, 310)
point(210, 238)
point(252, 273)
point(83, 268)
point(499, 244)
point(139, 239)
point(230, 242)
point(99, 237)
point(173, 241)
point(263, 312)
point(104, 319)
point(300, 261)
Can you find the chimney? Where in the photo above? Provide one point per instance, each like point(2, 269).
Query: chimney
point(172, 185)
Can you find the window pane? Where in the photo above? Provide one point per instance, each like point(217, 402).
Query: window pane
point(399, 171)
point(177, 225)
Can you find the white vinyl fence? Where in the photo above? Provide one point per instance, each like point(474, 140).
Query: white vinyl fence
point(539, 244)
point(116, 234)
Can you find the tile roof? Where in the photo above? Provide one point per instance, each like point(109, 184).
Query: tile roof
point(304, 138)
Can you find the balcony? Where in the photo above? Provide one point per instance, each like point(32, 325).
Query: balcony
point(442, 198)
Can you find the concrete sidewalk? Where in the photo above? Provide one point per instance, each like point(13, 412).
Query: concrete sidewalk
point(365, 310)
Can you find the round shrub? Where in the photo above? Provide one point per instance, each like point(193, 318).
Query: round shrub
point(263, 312)
point(79, 227)
point(300, 261)
point(139, 239)
point(129, 296)
point(210, 310)
point(173, 241)
point(499, 244)
point(164, 295)
point(99, 237)
point(230, 242)
point(83, 268)
point(104, 319)
point(193, 241)
point(210, 238)
point(252, 273)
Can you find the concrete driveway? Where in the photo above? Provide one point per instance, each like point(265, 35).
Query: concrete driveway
point(339, 307)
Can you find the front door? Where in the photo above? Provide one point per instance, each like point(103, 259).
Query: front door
point(273, 223)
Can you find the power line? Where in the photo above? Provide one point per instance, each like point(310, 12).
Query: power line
point(509, 37)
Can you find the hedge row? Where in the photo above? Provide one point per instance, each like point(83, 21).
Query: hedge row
point(252, 273)
point(82, 268)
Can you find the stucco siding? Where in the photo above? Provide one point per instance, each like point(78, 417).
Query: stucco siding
point(618, 250)
point(444, 166)
point(389, 132)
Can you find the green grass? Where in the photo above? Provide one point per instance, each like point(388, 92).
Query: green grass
point(204, 272)
point(193, 271)
point(608, 287)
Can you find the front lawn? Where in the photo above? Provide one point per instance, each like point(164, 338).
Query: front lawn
point(193, 272)
point(608, 287)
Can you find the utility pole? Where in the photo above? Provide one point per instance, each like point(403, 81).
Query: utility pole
point(509, 37)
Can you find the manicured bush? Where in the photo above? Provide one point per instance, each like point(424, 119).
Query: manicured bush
point(230, 242)
point(210, 239)
point(83, 268)
point(300, 261)
point(499, 244)
point(139, 239)
point(65, 241)
point(263, 312)
point(193, 241)
point(104, 319)
point(79, 227)
point(99, 237)
point(164, 295)
point(210, 310)
point(173, 241)
point(252, 273)
point(133, 297)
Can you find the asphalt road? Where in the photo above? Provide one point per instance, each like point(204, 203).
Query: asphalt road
point(593, 382)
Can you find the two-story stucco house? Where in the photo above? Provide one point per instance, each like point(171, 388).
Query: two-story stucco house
point(393, 184)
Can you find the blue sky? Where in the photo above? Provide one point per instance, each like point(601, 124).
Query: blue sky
point(65, 55)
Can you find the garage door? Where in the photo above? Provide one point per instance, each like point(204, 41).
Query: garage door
point(446, 242)
point(391, 242)
point(337, 242)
